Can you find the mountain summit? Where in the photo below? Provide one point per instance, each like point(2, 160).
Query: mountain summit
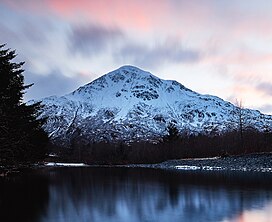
point(130, 104)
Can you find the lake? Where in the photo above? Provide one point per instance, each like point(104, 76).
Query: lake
point(135, 194)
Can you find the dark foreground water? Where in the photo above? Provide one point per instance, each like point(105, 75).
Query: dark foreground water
point(128, 195)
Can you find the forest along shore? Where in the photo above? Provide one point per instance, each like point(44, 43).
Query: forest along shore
point(251, 162)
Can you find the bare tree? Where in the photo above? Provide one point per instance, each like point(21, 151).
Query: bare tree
point(240, 116)
point(241, 121)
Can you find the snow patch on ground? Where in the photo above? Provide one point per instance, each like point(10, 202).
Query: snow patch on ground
point(187, 167)
point(66, 164)
point(265, 170)
point(207, 158)
point(211, 168)
point(52, 155)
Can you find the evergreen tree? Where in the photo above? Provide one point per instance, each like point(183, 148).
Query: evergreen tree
point(172, 133)
point(21, 135)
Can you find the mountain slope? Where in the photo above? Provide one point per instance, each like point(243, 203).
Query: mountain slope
point(130, 104)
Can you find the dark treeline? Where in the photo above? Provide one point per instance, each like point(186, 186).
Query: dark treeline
point(172, 146)
point(22, 138)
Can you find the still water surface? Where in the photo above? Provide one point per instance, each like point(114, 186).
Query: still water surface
point(128, 195)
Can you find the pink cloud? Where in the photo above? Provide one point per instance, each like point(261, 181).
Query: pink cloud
point(248, 94)
point(242, 57)
point(27, 5)
point(243, 90)
point(163, 15)
point(128, 14)
point(180, 17)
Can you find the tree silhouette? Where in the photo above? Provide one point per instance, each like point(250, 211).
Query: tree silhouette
point(241, 119)
point(172, 133)
point(21, 135)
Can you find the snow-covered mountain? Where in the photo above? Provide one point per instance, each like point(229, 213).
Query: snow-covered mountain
point(130, 104)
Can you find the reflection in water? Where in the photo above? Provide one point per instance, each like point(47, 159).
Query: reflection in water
point(259, 215)
point(123, 194)
point(23, 198)
point(150, 195)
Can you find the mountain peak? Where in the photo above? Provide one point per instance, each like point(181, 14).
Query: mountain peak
point(129, 71)
point(132, 104)
point(130, 68)
point(122, 81)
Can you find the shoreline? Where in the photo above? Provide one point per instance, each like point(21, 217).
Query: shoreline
point(261, 162)
point(246, 163)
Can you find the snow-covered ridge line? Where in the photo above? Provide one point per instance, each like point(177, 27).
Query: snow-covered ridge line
point(130, 104)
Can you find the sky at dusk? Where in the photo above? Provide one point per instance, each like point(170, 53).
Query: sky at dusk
point(217, 47)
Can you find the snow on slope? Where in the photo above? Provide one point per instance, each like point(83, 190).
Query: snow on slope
point(130, 104)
